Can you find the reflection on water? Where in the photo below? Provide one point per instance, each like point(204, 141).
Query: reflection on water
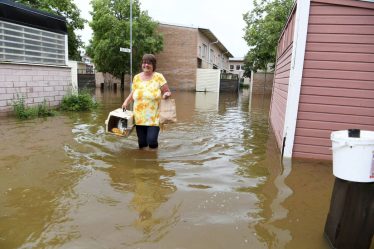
point(140, 173)
point(206, 101)
point(216, 181)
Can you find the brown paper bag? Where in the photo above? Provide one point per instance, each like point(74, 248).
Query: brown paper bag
point(168, 111)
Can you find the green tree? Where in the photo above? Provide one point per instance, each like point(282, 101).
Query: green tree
point(70, 11)
point(264, 25)
point(111, 30)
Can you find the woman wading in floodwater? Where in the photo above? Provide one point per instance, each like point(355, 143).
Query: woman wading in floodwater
point(147, 89)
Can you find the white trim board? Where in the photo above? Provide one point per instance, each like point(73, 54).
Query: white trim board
point(296, 73)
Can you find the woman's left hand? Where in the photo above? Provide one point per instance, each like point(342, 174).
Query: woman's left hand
point(166, 95)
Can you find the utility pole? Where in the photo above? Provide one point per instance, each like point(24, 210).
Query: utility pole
point(130, 44)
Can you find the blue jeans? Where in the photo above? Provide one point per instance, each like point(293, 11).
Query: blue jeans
point(147, 136)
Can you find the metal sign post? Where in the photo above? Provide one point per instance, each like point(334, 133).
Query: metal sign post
point(129, 50)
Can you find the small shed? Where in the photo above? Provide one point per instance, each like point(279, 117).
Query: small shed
point(33, 56)
point(324, 75)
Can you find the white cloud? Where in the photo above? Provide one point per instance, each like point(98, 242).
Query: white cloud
point(223, 18)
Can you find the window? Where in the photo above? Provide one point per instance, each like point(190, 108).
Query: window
point(231, 67)
point(242, 67)
point(20, 43)
point(211, 55)
point(199, 63)
point(205, 48)
point(199, 51)
point(237, 67)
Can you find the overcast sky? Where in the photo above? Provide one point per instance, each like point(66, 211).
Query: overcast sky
point(223, 18)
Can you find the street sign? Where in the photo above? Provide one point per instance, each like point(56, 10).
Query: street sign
point(126, 50)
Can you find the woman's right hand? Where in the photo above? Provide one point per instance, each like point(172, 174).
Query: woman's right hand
point(124, 105)
point(127, 101)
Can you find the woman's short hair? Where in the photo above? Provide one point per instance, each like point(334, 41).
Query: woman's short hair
point(150, 58)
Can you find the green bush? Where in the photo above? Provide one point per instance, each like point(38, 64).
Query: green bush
point(25, 112)
point(44, 110)
point(80, 102)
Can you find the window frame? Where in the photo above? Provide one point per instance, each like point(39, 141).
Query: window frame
point(205, 48)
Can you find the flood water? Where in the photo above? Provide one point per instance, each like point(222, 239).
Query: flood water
point(216, 181)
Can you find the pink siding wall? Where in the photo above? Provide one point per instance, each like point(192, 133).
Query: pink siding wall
point(337, 90)
point(281, 78)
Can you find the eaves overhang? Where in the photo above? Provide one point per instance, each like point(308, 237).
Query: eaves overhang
point(212, 38)
point(21, 14)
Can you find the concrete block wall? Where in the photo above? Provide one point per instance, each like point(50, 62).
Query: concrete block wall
point(108, 79)
point(178, 61)
point(34, 83)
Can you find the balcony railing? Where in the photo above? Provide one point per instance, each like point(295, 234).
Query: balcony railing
point(86, 71)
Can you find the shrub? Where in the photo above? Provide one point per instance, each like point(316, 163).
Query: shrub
point(44, 110)
point(79, 102)
point(25, 112)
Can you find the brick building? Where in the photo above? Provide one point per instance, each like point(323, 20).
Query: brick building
point(187, 49)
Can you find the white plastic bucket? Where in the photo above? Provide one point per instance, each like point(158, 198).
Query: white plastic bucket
point(353, 158)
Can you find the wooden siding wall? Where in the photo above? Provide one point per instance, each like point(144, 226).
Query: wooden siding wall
point(281, 78)
point(337, 90)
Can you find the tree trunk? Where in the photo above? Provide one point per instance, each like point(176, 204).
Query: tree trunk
point(265, 81)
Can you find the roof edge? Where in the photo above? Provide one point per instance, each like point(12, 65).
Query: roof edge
point(209, 35)
point(32, 10)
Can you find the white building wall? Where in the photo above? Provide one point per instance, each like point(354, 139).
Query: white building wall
point(207, 80)
point(74, 75)
point(239, 71)
point(216, 56)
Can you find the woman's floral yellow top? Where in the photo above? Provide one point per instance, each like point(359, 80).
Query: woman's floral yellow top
point(147, 97)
